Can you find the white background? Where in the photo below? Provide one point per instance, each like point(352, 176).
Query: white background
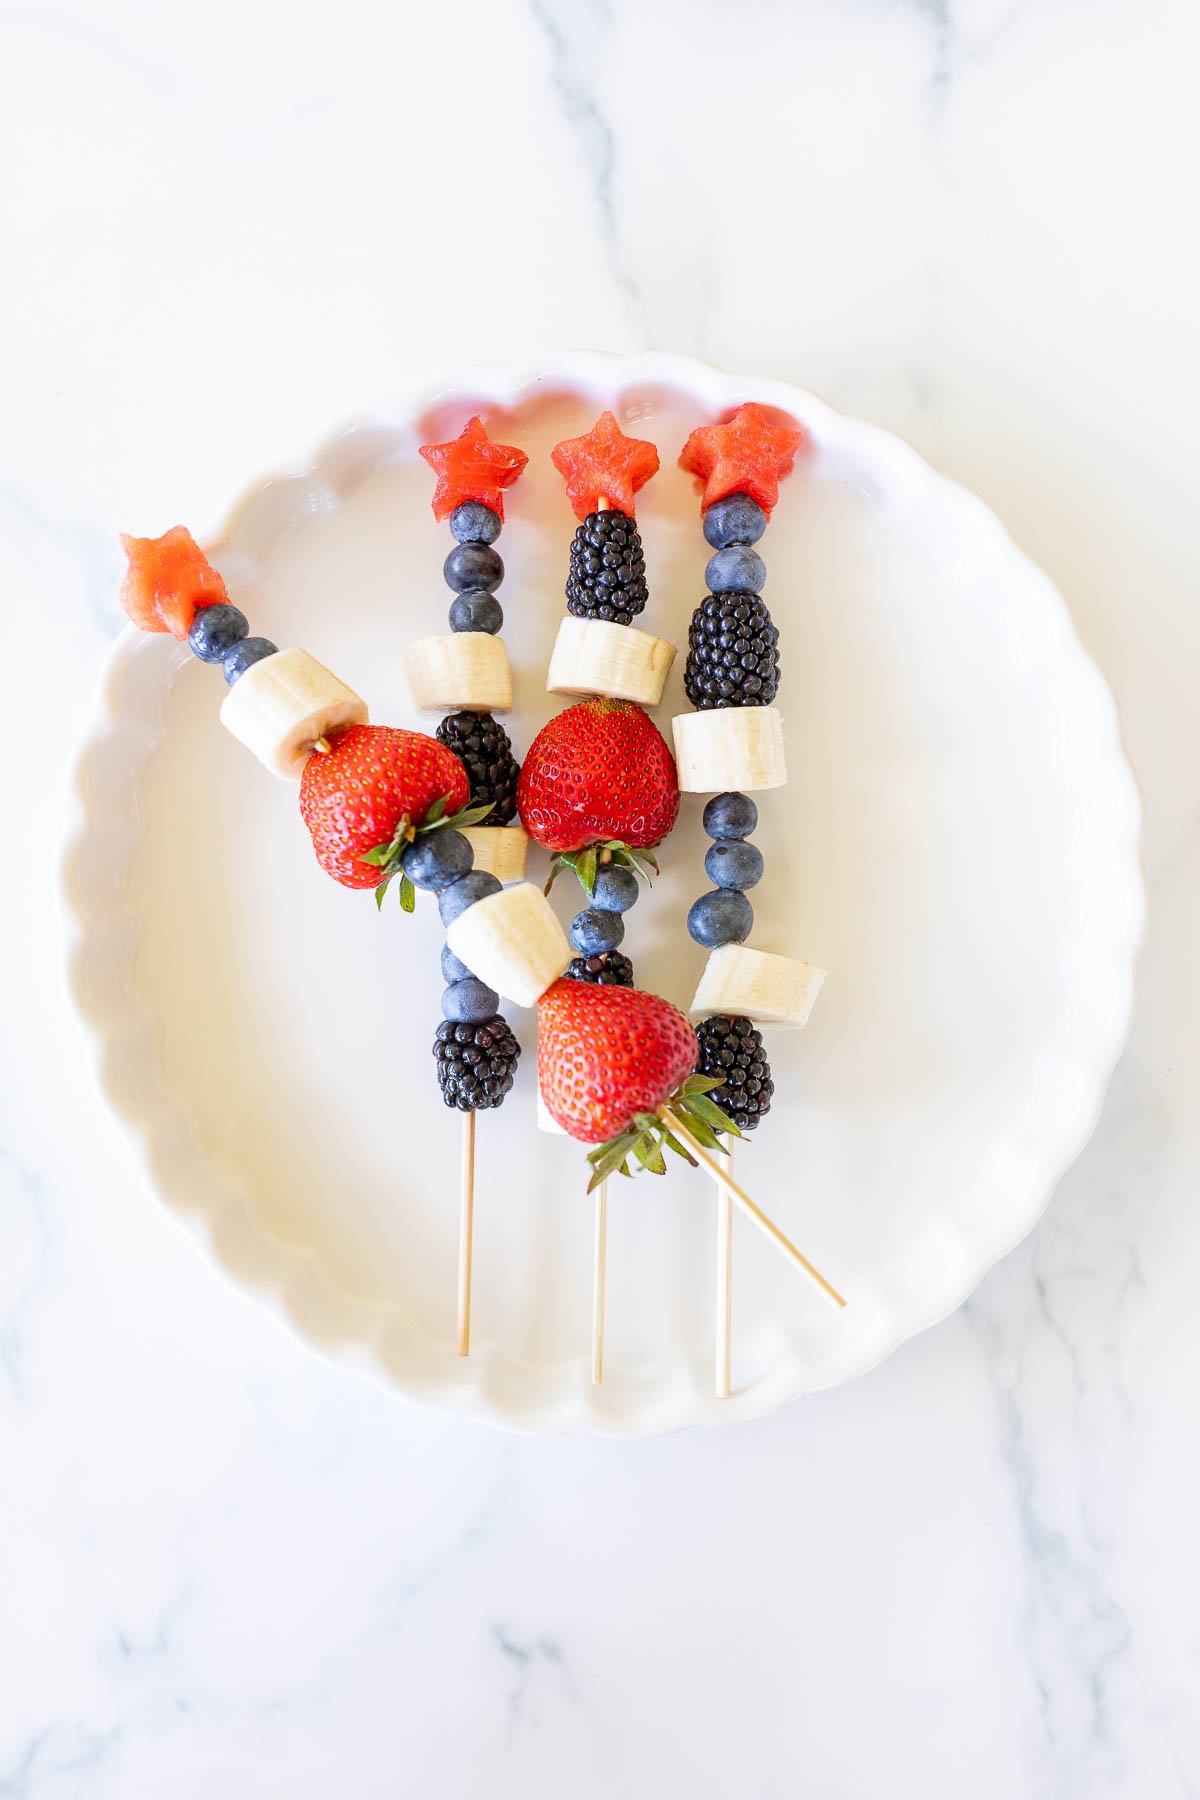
point(226, 1568)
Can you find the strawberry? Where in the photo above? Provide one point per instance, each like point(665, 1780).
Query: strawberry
point(598, 778)
point(168, 580)
point(610, 1059)
point(367, 797)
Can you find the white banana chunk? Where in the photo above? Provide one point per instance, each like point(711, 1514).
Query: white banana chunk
point(465, 671)
point(768, 989)
point(729, 749)
point(283, 704)
point(594, 656)
point(513, 941)
point(500, 850)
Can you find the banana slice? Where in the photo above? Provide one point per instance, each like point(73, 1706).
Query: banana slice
point(594, 656)
point(283, 704)
point(738, 748)
point(513, 941)
point(769, 989)
point(466, 670)
point(500, 850)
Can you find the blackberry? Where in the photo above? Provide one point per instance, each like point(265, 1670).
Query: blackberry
point(733, 1049)
point(608, 569)
point(733, 654)
point(475, 1063)
point(484, 748)
point(608, 969)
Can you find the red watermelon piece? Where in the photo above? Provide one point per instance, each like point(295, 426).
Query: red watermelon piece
point(604, 464)
point(749, 454)
point(168, 581)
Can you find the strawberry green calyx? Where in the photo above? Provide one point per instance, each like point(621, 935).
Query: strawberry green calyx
point(648, 1132)
point(584, 863)
point(389, 858)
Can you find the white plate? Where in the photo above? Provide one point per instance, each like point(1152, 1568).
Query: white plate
point(957, 846)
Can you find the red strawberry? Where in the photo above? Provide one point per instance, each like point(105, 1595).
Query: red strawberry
point(606, 1053)
point(169, 578)
point(609, 1059)
point(372, 790)
point(598, 773)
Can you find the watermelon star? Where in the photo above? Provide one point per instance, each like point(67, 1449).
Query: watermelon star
point(472, 467)
point(169, 580)
point(749, 454)
point(604, 464)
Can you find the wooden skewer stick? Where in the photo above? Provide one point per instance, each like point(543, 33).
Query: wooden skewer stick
point(599, 1272)
point(752, 1211)
point(724, 1282)
point(466, 1233)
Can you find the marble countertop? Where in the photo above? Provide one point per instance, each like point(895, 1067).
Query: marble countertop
point(226, 1567)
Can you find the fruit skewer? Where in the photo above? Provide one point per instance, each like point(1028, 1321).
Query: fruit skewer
point(733, 743)
point(379, 803)
point(599, 789)
point(468, 673)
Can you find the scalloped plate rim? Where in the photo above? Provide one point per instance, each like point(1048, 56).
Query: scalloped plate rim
point(276, 1288)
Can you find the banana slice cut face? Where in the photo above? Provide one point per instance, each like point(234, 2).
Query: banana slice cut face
point(283, 704)
point(513, 941)
point(757, 985)
point(465, 671)
point(594, 656)
point(500, 850)
point(729, 749)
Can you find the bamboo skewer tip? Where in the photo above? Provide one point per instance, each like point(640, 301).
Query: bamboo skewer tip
point(724, 1341)
point(599, 1282)
point(750, 1207)
point(466, 1233)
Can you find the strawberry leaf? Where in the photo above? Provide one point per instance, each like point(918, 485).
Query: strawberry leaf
point(436, 819)
point(408, 895)
point(705, 1137)
point(699, 1084)
point(700, 1107)
point(640, 861)
point(649, 1153)
point(673, 1143)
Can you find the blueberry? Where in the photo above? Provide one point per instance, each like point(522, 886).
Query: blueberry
point(616, 888)
point(470, 1002)
point(730, 816)
point(735, 520)
point(474, 523)
point(437, 858)
point(215, 630)
point(452, 968)
point(473, 566)
point(456, 898)
point(736, 570)
point(244, 655)
point(476, 611)
point(593, 931)
point(722, 917)
point(734, 865)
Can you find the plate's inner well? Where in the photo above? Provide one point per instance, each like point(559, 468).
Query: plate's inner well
point(923, 853)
